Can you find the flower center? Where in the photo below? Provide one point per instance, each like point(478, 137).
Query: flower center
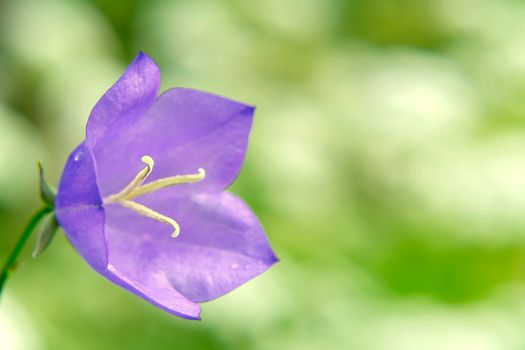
point(136, 188)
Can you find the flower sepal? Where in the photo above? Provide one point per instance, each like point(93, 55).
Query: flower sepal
point(48, 226)
point(45, 233)
point(48, 193)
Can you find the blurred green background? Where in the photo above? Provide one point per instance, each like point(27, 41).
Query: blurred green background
point(387, 164)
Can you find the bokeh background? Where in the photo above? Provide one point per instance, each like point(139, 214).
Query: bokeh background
point(387, 164)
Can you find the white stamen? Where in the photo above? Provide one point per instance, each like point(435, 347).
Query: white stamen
point(135, 189)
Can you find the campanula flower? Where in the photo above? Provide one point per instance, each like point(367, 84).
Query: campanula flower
point(143, 200)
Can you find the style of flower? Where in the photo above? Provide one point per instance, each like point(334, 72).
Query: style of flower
point(142, 198)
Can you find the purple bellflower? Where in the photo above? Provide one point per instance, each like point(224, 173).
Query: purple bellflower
point(142, 197)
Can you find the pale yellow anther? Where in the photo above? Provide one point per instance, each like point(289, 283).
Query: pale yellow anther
point(135, 189)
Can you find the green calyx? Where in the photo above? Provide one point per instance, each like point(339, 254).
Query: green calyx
point(45, 233)
point(47, 192)
point(47, 228)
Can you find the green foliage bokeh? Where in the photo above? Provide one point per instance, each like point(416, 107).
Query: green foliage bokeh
point(386, 162)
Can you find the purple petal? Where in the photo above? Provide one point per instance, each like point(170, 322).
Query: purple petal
point(126, 100)
point(185, 130)
point(79, 212)
point(222, 244)
point(151, 285)
point(78, 208)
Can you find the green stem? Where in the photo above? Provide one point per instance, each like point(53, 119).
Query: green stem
point(4, 274)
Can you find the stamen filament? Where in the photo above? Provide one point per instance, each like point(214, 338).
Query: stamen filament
point(135, 189)
point(137, 181)
point(167, 182)
point(143, 210)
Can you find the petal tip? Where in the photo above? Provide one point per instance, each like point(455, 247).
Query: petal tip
point(196, 317)
point(142, 56)
point(147, 63)
point(249, 110)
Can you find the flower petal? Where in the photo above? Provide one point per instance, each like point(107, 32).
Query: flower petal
point(185, 130)
point(153, 286)
point(127, 99)
point(78, 208)
point(81, 215)
point(222, 244)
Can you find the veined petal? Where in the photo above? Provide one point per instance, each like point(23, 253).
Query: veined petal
point(185, 130)
point(222, 244)
point(153, 286)
point(78, 208)
point(80, 213)
point(132, 94)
